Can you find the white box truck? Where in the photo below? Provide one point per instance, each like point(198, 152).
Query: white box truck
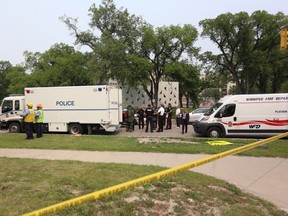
point(73, 109)
point(248, 115)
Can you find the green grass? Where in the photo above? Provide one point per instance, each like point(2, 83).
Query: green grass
point(277, 148)
point(27, 185)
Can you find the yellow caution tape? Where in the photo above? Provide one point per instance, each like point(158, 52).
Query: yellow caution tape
point(146, 179)
point(219, 142)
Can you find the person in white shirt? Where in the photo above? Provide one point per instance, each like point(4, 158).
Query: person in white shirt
point(161, 112)
point(177, 114)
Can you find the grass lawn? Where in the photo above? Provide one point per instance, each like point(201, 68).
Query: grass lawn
point(277, 148)
point(27, 185)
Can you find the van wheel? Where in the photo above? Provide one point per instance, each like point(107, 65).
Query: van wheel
point(14, 127)
point(214, 132)
point(75, 129)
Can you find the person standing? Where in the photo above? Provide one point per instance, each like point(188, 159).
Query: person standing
point(169, 116)
point(29, 118)
point(130, 119)
point(39, 118)
point(149, 113)
point(155, 118)
point(185, 120)
point(161, 112)
point(140, 114)
point(177, 114)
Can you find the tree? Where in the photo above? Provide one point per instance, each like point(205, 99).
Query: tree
point(4, 82)
point(164, 46)
point(129, 49)
point(188, 77)
point(248, 45)
point(61, 65)
point(17, 80)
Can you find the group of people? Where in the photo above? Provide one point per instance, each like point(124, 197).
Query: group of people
point(161, 117)
point(30, 117)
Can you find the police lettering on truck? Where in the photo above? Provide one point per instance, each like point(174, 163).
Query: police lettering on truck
point(65, 103)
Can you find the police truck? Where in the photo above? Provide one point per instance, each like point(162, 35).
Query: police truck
point(73, 109)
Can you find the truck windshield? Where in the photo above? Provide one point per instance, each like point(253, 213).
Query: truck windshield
point(7, 106)
point(213, 108)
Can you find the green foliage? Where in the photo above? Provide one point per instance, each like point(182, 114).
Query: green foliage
point(18, 80)
point(61, 65)
point(130, 50)
point(4, 82)
point(249, 47)
point(126, 48)
point(187, 76)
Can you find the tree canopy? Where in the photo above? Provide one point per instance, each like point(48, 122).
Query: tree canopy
point(126, 48)
point(249, 47)
point(130, 50)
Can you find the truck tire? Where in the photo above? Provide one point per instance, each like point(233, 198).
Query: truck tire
point(15, 127)
point(214, 132)
point(75, 129)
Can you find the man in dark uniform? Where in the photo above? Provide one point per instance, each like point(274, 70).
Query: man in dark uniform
point(149, 113)
point(169, 116)
point(140, 114)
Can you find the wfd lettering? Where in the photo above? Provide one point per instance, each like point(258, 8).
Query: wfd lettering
point(254, 126)
point(65, 103)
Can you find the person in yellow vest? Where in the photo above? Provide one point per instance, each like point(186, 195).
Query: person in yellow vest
point(29, 118)
point(39, 118)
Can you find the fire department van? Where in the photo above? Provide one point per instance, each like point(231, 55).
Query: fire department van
point(73, 109)
point(255, 114)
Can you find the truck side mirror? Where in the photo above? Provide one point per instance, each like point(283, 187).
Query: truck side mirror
point(5, 109)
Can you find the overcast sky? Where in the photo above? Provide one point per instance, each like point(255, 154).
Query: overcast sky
point(34, 25)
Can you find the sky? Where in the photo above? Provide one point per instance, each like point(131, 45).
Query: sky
point(34, 25)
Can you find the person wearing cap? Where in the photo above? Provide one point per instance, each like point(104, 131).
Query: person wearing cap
point(39, 118)
point(29, 118)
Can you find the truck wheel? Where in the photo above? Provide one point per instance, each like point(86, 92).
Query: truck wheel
point(214, 132)
point(15, 127)
point(75, 129)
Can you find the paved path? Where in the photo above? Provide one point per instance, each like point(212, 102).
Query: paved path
point(264, 177)
point(174, 132)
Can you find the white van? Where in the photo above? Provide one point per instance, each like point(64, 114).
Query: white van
point(255, 114)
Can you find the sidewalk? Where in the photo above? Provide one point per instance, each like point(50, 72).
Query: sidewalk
point(174, 132)
point(263, 177)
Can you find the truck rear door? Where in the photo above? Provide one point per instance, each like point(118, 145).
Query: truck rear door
point(115, 105)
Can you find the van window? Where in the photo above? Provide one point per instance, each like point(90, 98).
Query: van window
point(226, 111)
point(213, 108)
point(7, 106)
point(17, 105)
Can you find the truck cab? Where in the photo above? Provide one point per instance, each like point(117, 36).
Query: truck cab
point(11, 109)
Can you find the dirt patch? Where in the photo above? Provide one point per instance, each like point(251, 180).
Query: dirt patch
point(145, 140)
